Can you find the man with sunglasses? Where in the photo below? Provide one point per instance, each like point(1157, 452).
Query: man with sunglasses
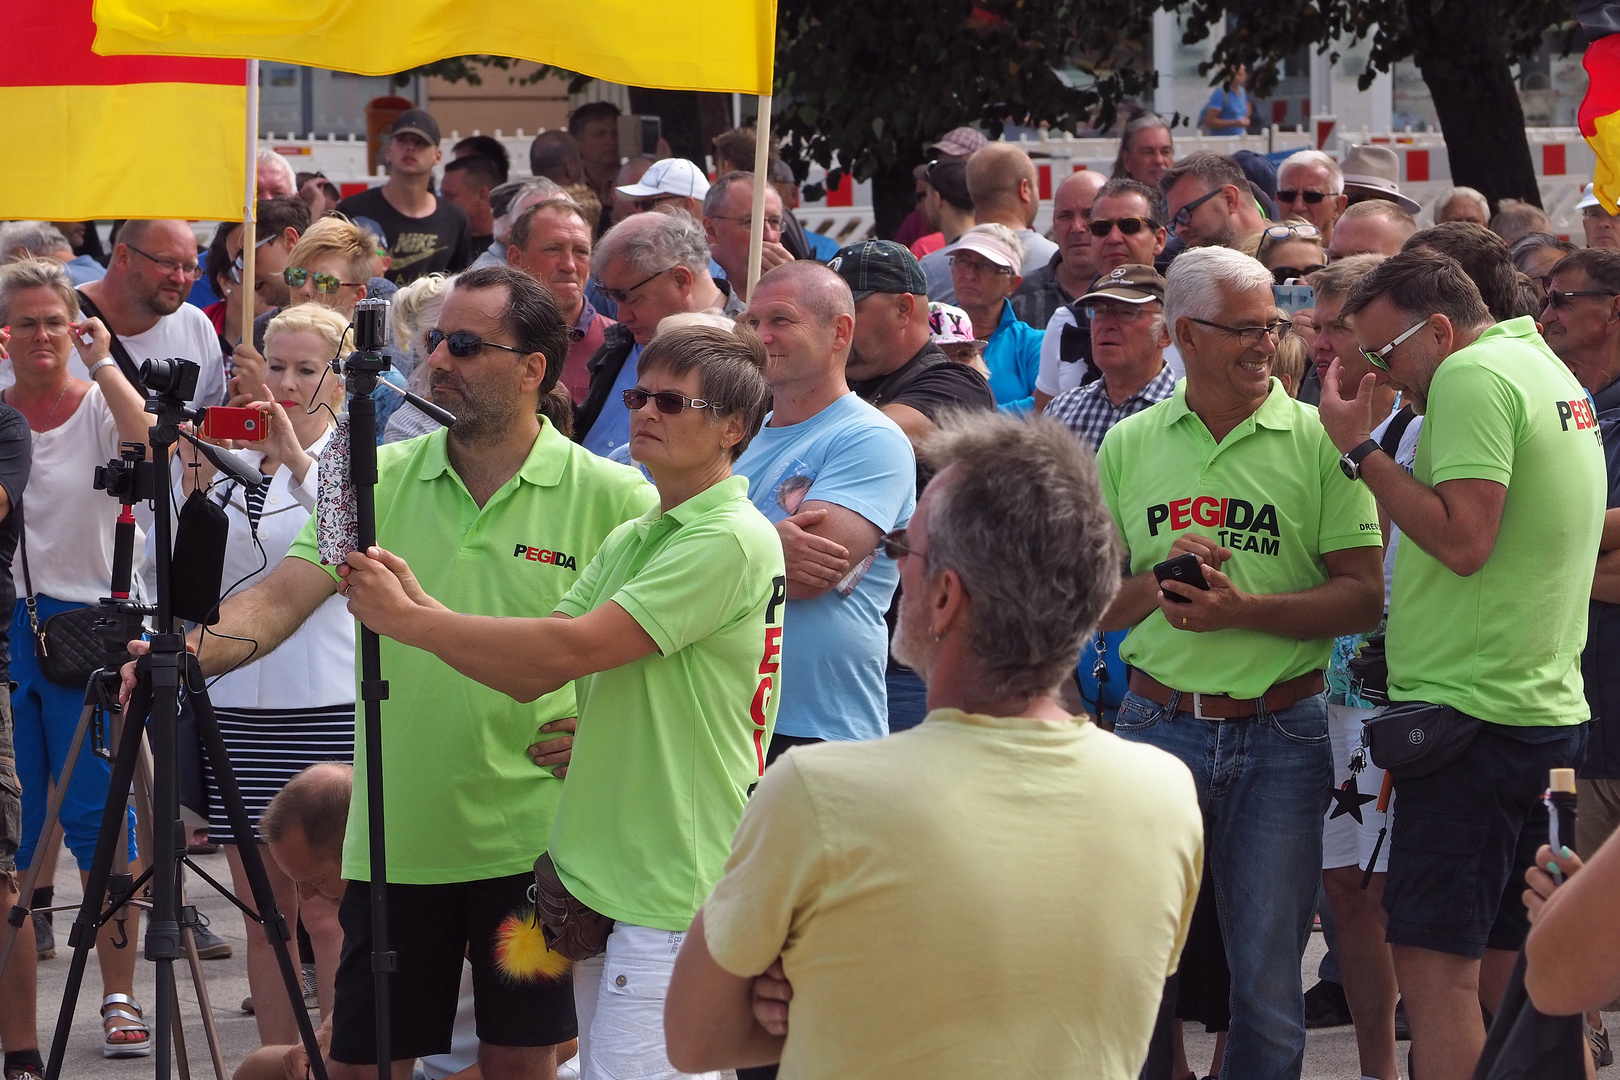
point(1233, 472)
point(1311, 187)
point(1209, 203)
point(1500, 523)
point(141, 301)
point(673, 181)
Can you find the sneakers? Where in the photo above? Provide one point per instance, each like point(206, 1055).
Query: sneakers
point(44, 935)
point(1403, 1029)
point(311, 992)
point(1597, 1040)
point(1326, 1006)
point(210, 946)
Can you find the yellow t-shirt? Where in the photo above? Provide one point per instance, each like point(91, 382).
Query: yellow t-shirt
point(974, 897)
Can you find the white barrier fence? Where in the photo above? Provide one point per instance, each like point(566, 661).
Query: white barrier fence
point(1562, 159)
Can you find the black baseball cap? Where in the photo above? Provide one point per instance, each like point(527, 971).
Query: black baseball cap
point(417, 122)
point(879, 266)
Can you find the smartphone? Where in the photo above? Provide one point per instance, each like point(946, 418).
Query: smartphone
point(1293, 297)
point(224, 422)
point(1182, 568)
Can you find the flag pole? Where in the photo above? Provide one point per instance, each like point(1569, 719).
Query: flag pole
point(762, 157)
point(250, 245)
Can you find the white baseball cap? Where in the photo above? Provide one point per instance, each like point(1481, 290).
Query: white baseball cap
point(671, 176)
point(1588, 198)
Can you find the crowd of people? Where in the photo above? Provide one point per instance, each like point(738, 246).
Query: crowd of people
point(759, 648)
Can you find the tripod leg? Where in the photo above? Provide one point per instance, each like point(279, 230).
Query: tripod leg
point(114, 829)
point(264, 898)
point(178, 1030)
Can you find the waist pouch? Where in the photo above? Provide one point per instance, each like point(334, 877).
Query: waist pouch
point(1369, 671)
point(1416, 738)
point(572, 929)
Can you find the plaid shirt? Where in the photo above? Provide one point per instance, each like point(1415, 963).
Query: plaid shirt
point(1089, 412)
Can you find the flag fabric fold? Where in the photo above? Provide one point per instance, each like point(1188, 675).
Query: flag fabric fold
point(1599, 117)
point(113, 137)
point(725, 45)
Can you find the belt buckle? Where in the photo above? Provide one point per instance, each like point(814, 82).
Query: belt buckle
point(1198, 708)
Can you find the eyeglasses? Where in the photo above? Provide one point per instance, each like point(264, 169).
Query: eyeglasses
point(1250, 336)
point(1282, 274)
point(1562, 299)
point(1129, 226)
point(23, 329)
point(770, 222)
point(1124, 313)
point(1596, 212)
point(1185, 214)
point(295, 276)
point(1379, 358)
point(668, 401)
point(238, 266)
point(978, 266)
point(1311, 197)
point(894, 545)
point(1288, 232)
point(170, 266)
point(465, 343)
point(622, 296)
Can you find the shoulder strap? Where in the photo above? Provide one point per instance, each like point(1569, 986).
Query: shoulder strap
point(29, 602)
point(1397, 427)
point(126, 363)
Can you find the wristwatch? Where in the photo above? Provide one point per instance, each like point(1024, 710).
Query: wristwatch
point(105, 361)
point(1351, 462)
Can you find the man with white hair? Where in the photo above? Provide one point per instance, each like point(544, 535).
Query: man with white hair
point(508, 202)
point(273, 175)
point(1462, 204)
point(1227, 646)
point(1311, 187)
point(42, 239)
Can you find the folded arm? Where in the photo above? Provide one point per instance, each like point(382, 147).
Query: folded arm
point(709, 1021)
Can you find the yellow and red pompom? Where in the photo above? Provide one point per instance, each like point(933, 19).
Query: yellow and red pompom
point(520, 950)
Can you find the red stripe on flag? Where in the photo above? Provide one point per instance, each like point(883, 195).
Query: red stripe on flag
point(1602, 62)
point(48, 44)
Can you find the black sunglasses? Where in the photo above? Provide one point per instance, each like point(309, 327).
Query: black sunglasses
point(668, 401)
point(1185, 214)
point(465, 343)
point(1562, 299)
point(894, 545)
point(1283, 274)
point(621, 296)
point(1311, 197)
point(1129, 226)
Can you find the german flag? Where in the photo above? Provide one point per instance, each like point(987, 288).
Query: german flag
point(92, 136)
point(1599, 117)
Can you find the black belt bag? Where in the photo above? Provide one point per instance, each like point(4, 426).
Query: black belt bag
point(1416, 738)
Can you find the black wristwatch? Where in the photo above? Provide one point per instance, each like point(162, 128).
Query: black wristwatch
point(1351, 462)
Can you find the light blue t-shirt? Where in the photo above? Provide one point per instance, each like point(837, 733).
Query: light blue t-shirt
point(612, 427)
point(1229, 105)
point(1013, 355)
point(835, 647)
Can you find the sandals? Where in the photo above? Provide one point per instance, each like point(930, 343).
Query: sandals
point(118, 1044)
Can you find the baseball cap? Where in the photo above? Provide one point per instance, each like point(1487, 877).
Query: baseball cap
point(879, 266)
point(671, 176)
point(960, 142)
point(1133, 283)
point(417, 122)
point(948, 176)
point(990, 246)
point(1588, 198)
point(949, 325)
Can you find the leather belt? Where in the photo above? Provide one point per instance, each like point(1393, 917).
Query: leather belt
point(1224, 706)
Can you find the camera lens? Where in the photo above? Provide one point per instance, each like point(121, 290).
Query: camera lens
point(158, 376)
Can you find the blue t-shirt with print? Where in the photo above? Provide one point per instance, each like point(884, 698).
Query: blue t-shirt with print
point(835, 647)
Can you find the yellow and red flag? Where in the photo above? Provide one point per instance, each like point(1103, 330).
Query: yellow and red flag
point(726, 45)
point(92, 136)
point(1599, 117)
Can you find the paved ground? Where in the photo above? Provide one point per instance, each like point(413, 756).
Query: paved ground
point(1329, 1055)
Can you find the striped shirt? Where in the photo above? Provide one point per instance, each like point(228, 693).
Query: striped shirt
point(1089, 412)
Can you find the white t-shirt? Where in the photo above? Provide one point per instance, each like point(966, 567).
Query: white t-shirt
point(185, 335)
point(1405, 456)
point(1055, 376)
point(68, 524)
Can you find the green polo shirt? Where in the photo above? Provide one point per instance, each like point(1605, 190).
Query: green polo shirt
point(464, 802)
point(1504, 644)
point(1272, 491)
point(670, 746)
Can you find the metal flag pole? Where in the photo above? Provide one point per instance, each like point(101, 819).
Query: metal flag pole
point(250, 205)
point(762, 158)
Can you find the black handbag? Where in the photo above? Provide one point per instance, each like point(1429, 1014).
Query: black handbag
point(71, 647)
point(1416, 738)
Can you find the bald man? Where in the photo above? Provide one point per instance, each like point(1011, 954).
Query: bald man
point(1376, 226)
point(1068, 273)
point(1006, 191)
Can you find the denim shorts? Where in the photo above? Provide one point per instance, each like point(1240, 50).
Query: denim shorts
point(1462, 838)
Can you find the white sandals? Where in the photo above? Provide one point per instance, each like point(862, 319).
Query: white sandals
point(124, 1007)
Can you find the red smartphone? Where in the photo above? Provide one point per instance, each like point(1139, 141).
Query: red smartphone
point(224, 422)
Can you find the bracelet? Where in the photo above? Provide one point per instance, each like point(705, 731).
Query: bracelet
point(105, 361)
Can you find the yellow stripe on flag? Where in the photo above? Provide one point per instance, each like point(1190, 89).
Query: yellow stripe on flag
point(141, 150)
point(725, 45)
point(1606, 176)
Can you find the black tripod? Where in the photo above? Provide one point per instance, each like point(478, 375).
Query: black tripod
point(154, 708)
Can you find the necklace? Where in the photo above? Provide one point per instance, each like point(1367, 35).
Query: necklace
point(46, 426)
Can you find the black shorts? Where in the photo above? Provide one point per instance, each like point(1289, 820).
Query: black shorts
point(432, 928)
point(1462, 838)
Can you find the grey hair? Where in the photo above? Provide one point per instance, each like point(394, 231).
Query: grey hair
point(651, 243)
point(1027, 489)
point(1315, 157)
point(1337, 278)
point(276, 161)
point(507, 201)
point(1145, 122)
point(1472, 195)
point(715, 201)
point(1193, 285)
point(20, 239)
point(1211, 169)
point(33, 273)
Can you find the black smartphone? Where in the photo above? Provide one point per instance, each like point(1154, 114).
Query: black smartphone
point(1185, 569)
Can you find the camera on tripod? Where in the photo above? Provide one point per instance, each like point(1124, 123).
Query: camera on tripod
point(171, 380)
point(370, 325)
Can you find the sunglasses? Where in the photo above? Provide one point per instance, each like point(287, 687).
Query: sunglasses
point(1283, 274)
point(295, 276)
point(1185, 214)
point(1379, 358)
point(1562, 299)
point(462, 343)
point(1311, 197)
point(237, 266)
point(1129, 226)
point(668, 401)
point(894, 545)
point(622, 296)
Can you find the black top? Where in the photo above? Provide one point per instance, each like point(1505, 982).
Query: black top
point(16, 455)
point(929, 382)
point(416, 246)
point(480, 244)
point(1600, 661)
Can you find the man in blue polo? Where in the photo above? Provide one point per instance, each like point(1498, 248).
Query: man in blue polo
point(1235, 473)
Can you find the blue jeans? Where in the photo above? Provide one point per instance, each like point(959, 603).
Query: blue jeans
point(1263, 787)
